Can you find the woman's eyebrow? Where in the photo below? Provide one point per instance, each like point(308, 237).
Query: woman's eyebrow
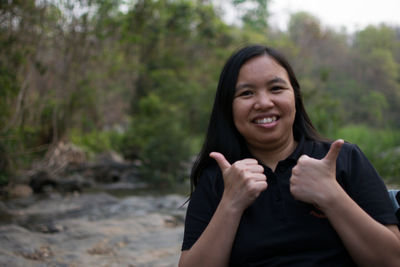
point(243, 86)
point(270, 82)
point(276, 80)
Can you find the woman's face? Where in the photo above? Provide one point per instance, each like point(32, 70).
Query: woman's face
point(264, 104)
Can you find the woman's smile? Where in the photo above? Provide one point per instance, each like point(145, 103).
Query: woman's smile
point(266, 121)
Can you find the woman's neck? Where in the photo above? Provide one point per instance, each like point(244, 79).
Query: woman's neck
point(271, 155)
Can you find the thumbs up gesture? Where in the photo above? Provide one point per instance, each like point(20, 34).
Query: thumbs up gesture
point(243, 181)
point(314, 181)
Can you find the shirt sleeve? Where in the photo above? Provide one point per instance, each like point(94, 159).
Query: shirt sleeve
point(365, 186)
point(202, 205)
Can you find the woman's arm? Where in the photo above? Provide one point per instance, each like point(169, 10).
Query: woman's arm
point(214, 246)
point(368, 242)
point(243, 182)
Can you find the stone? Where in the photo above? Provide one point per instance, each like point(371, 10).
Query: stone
point(20, 191)
point(41, 181)
point(95, 230)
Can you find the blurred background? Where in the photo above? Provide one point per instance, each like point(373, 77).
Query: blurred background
point(138, 77)
point(115, 95)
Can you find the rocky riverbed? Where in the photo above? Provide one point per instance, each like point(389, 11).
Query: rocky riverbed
point(91, 229)
point(72, 212)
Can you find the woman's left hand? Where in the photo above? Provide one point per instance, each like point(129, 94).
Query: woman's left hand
point(314, 181)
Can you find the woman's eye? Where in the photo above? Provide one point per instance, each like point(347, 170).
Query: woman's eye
point(245, 93)
point(276, 88)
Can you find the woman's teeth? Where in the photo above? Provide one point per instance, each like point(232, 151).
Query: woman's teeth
point(266, 120)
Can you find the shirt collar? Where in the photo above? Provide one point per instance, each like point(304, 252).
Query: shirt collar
point(303, 147)
point(299, 149)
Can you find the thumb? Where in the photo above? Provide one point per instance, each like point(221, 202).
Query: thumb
point(220, 159)
point(333, 152)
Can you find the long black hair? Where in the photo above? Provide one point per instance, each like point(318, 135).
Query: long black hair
point(222, 135)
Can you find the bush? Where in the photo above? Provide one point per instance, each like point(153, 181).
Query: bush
point(382, 148)
point(156, 136)
point(94, 142)
point(22, 146)
point(4, 168)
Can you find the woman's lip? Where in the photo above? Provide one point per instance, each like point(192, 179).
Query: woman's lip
point(267, 125)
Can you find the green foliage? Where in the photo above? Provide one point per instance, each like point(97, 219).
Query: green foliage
point(304, 27)
point(4, 169)
point(324, 110)
point(376, 104)
point(325, 115)
point(4, 178)
point(382, 148)
point(9, 89)
point(153, 67)
point(18, 148)
point(381, 37)
point(378, 54)
point(156, 135)
point(255, 17)
point(95, 142)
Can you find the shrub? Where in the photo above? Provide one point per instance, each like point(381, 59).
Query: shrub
point(95, 141)
point(156, 136)
point(382, 148)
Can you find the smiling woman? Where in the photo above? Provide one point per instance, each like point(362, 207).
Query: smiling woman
point(269, 191)
point(264, 109)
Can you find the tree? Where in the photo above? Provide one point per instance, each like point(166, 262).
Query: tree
point(375, 49)
point(255, 15)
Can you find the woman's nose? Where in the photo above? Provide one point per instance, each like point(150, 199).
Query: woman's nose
point(263, 101)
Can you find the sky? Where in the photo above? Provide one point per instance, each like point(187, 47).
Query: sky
point(352, 15)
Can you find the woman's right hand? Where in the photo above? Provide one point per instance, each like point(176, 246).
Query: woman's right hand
point(243, 181)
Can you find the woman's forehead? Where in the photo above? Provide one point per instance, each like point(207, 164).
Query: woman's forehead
point(263, 67)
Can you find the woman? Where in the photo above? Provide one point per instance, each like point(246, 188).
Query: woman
point(269, 191)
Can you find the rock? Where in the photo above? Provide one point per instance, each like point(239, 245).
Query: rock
point(64, 154)
point(112, 172)
point(5, 213)
point(96, 230)
point(65, 169)
point(41, 182)
point(109, 157)
point(73, 183)
point(49, 228)
point(107, 170)
point(40, 254)
point(107, 174)
point(20, 191)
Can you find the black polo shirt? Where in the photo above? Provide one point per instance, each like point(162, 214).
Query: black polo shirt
point(277, 230)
